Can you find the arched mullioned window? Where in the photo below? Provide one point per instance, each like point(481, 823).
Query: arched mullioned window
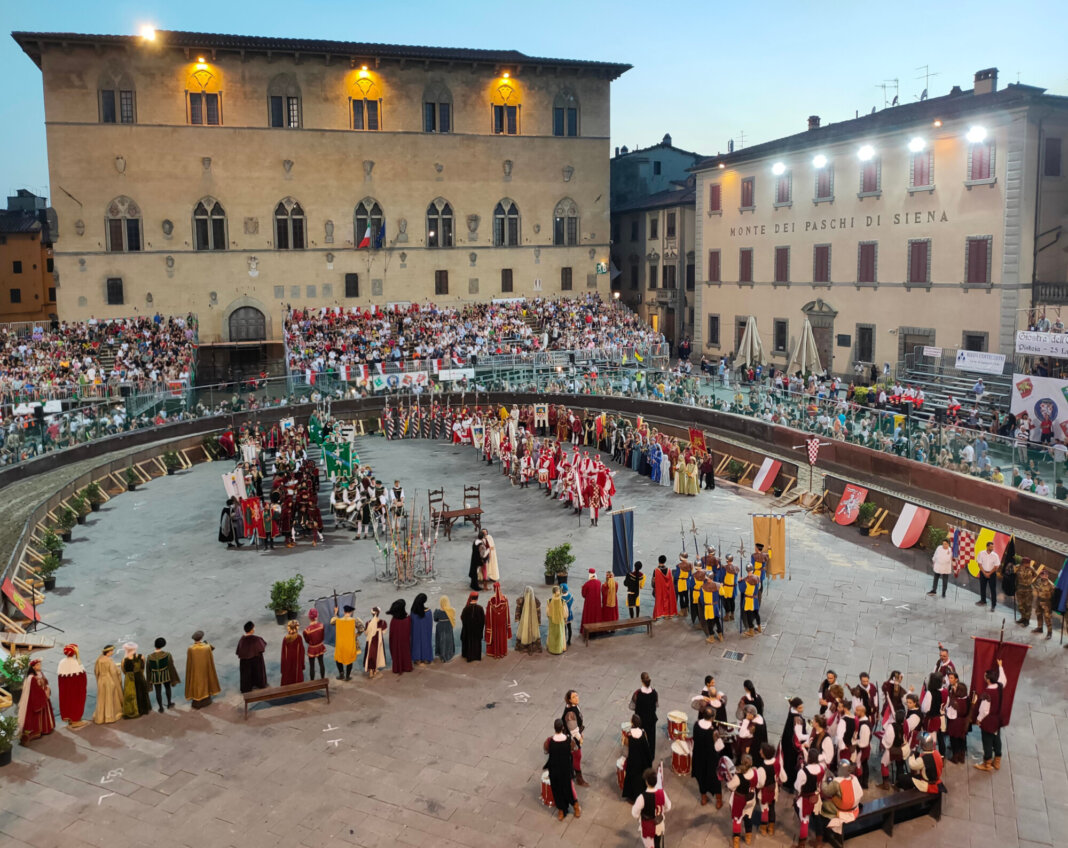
point(439, 223)
point(209, 225)
point(369, 224)
point(123, 225)
point(506, 224)
point(566, 222)
point(290, 228)
point(565, 114)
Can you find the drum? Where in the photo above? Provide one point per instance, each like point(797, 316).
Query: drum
point(624, 733)
point(676, 725)
point(546, 789)
point(621, 768)
point(680, 757)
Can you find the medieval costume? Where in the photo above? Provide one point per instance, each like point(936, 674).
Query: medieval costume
point(108, 688)
point(498, 624)
point(250, 648)
point(315, 637)
point(528, 618)
point(444, 625)
point(422, 631)
point(472, 626)
point(346, 648)
point(35, 718)
point(639, 758)
point(476, 571)
point(556, 612)
point(705, 761)
point(73, 683)
point(634, 582)
point(664, 599)
point(400, 637)
point(561, 771)
point(645, 702)
point(292, 654)
point(374, 657)
point(162, 674)
point(591, 601)
point(489, 558)
point(201, 682)
point(135, 702)
point(609, 598)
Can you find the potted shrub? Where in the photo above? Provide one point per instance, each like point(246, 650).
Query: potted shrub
point(94, 496)
point(171, 462)
point(934, 537)
point(734, 470)
point(81, 508)
point(211, 447)
point(294, 586)
point(865, 516)
point(47, 568)
point(67, 519)
point(131, 479)
point(285, 598)
point(557, 562)
point(51, 543)
point(9, 728)
point(13, 673)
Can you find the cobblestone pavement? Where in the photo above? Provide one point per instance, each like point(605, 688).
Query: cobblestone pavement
point(451, 754)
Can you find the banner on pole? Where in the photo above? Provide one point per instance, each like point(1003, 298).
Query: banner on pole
point(541, 415)
point(697, 440)
point(770, 531)
point(622, 542)
point(986, 655)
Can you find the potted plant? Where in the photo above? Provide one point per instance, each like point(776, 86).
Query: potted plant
point(66, 521)
point(294, 586)
point(81, 508)
point(734, 470)
point(285, 597)
point(211, 447)
point(47, 568)
point(557, 562)
point(131, 479)
point(934, 537)
point(13, 673)
point(94, 496)
point(171, 462)
point(9, 728)
point(51, 543)
point(865, 516)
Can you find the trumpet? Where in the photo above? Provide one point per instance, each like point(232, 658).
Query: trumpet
point(726, 724)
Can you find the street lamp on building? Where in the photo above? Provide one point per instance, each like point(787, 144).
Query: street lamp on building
point(917, 144)
point(865, 153)
point(976, 135)
point(819, 161)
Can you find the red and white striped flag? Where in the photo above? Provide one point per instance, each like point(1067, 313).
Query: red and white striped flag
point(963, 549)
point(813, 445)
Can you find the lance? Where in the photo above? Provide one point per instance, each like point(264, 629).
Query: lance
point(682, 532)
point(696, 548)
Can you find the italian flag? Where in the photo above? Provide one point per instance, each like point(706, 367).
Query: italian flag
point(366, 240)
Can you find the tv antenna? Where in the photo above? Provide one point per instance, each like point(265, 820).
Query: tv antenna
point(926, 77)
point(889, 84)
point(741, 139)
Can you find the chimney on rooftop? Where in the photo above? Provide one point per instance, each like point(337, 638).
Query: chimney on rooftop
point(986, 81)
point(813, 122)
point(667, 140)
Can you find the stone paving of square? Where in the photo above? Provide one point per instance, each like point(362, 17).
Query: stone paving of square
point(450, 755)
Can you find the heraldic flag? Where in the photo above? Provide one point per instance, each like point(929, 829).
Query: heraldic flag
point(986, 656)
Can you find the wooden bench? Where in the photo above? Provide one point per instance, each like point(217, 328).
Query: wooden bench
point(621, 624)
point(884, 812)
point(276, 693)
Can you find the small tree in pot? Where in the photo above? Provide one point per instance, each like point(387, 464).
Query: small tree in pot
point(51, 543)
point(81, 508)
point(65, 522)
point(285, 597)
point(131, 479)
point(557, 562)
point(171, 462)
point(9, 729)
point(47, 568)
point(865, 516)
point(93, 496)
point(734, 470)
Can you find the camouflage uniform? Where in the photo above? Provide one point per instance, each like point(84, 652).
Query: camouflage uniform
point(1043, 590)
point(1025, 580)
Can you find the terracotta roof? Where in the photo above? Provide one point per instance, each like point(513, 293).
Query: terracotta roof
point(956, 104)
point(32, 43)
point(18, 222)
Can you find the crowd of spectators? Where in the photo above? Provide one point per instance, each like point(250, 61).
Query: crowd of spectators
point(93, 358)
point(319, 339)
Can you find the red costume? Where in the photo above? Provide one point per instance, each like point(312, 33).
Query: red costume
point(36, 718)
point(498, 624)
point(591, 601)
point(609, 601)
point(292, 656)
point(664, 602)
point(314, 635)
point(72, 685)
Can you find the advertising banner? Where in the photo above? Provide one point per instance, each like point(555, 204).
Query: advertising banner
point(400, 381)
point(980, 361)
point(1042, 398)
point(1042, 344)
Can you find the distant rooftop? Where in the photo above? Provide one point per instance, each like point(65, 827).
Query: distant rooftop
point(33, 44)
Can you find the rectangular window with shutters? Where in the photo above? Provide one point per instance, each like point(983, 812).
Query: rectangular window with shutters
point(714, 272)
point(671, 225)
point(748, 193)
point(441, 282)
point(713, 330)
point(352, 285)
point(919, 260)
point(670, 272)
point(652, 275)
point(276, 105)
point(506, 280)
point(821, 263)
point(107, 106)
point(780, 335)
point(867, 252)
point(654, 223)
point(1051, 163)
point(782, 264)
point(865, 343)
point(921, 171)
point(114, 291)
point(745, 265)
point(565, 279)
point(715, 199)
point(981, 162)
point(635, 273)
point(977, 251)
point(824, 184)
point(784, 187)
point(16, 295)
point(870, 178)
point(126, 107)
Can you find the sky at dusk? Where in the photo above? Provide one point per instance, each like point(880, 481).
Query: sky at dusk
point(703, 71)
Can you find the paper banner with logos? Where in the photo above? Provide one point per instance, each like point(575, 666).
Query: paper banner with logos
point(381, 382)
point(849, 506)
point(980, 361)
point(909, 526)
point(1041, 398)
point(765, 477)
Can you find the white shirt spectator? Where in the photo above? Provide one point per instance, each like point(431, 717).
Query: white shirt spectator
point(942, 561)
point(989, 562)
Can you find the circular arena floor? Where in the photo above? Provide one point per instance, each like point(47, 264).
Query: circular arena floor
point(451, 754)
